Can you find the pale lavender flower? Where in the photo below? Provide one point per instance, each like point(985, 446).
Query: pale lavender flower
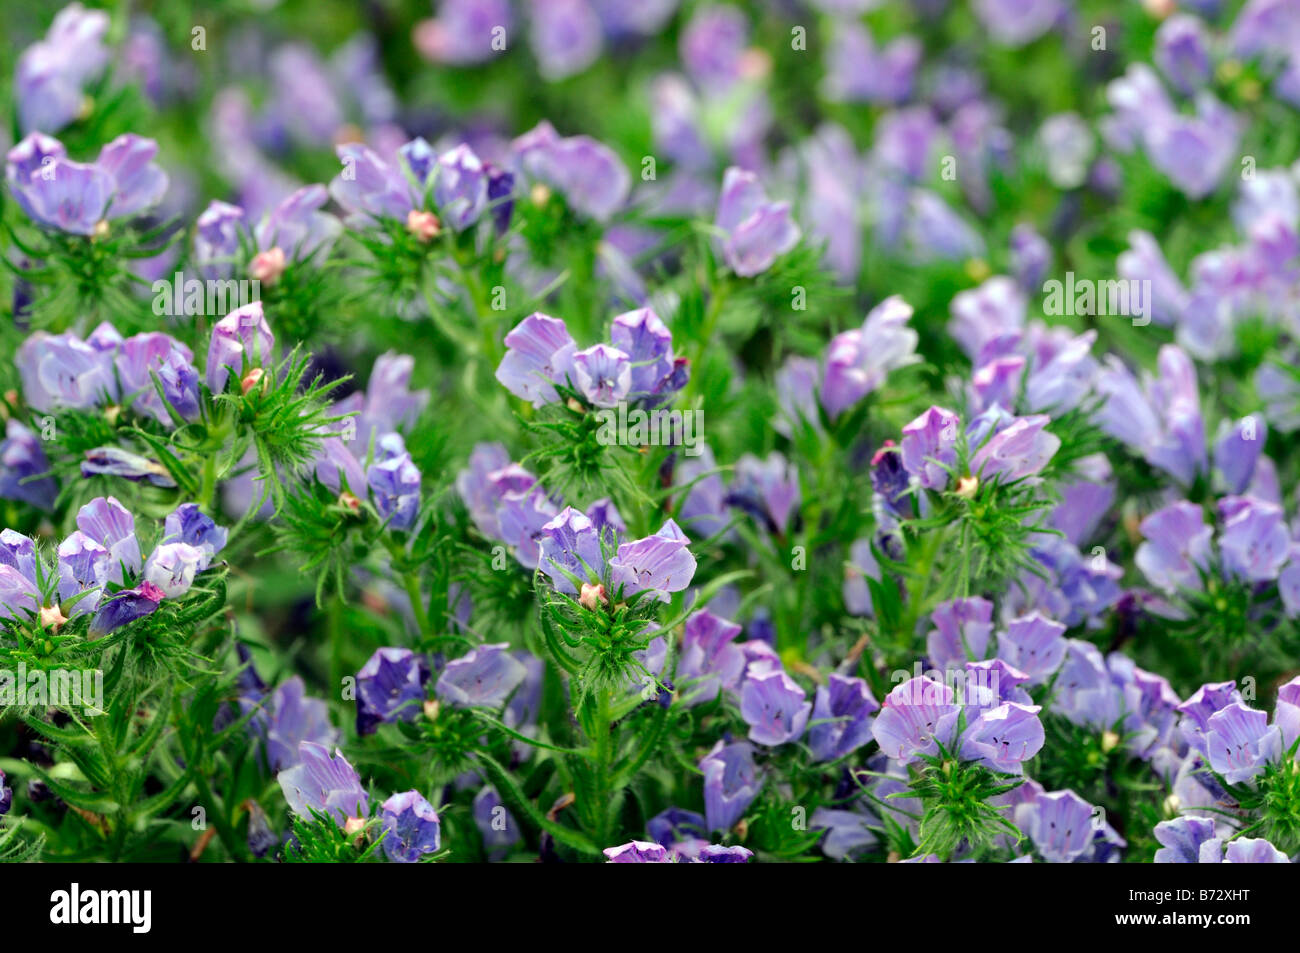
point(1239, 741)
point(731, 782)
point(394, 482)
point(1018, 450)
point(142, 356)
point(570, 543)
point(590, 176)
point(62, 372)
point(603, 374)
point(1015, 23)
point(658, 564)
point(464, 30)
point(858, 361)
point(461, 187)
point(109, 523)
point(53, 73)
point(539, 355)
point(710, 658)
point(216, 238)
point(1182, 52)
point(1031, 257)
point(768, 488)
point(172, 567)
point(929, 445)
point(1060, 825)
point(713, 44)
point(755, 231)
point(1181, 839)
point(389, 688)
point(328, 785)
point(1176, 548)
point(1253, 541)
point(242, 338)
point(294, 718)
point(858, 71)
point(844, 707)
point(1033, 644)
point(637, 852)
point(410, 827)
point(23, 468)
point(961, 632)
point(916, 717)
point(1003, 738)
point(994, 310)
point(296, 225)
point(1195, 151)
point(482, 678)
point(775, 708)
point(566, 37)
point(649, 346)
point(188, 524)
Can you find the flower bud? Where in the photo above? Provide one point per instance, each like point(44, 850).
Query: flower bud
point(423, 225)
point(267, 266)
point(252, 379)
point(593, 597)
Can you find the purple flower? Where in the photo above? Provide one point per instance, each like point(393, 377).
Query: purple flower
point(848, 833)
point(1060, 825)
point(123, 607)
point(1033, 644)
point(1239, 742)
point(521, 514)
point(325, 784)
point(109, 523)
point(188, 524)
point(18, 589)
point(216, 238)
point(768, 488)
point(844, 706)
point(463, 32)
point(916, 717)
point(994, 310)
point(659, 564)
point(1204, 702)
point(390, 687)
point(1244, 850)
point(1177, 547)
point(1194, 151)
point(411, 827)
point(731, 783)
point(242, 338)
point(295, 226)
point(497, 825)
point(961, 632)
point(637, 852)
point(144, 355)
point(1181, 839)
point(23, 468)
point(84, 566)
point(571, 543)
point(928, 445)
point(592, 179)
point(1017, 450)
point(295, 719)
point(114, 461)
point(70, 196)
point(1237, 451)
point(1144, 261)
point(1003, 738)
point(710, 660)
point(539, 355)
point(1015, 23)
point(62, 372)
point(856, 71)
point(172, 566)
point(53, 73)
point(858, 361)
point(1182, 52)
point(137, 184)
point(648, 343)
point(774, 707)
point(1254, 543)
point(566, 37)
point(1031, 257)
point(394, 482)
point(603, 374)
point(482, 678)
point(369, 188)
point(755, 231)
point(673, 825)
point(461, 187)
point(712, 46)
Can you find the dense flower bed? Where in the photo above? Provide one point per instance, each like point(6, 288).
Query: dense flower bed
point(651, 431)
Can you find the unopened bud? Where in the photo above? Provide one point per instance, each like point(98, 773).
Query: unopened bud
point(52, 617)
point(1109, 740)
point(431, 709)
point(593, 597)
point(252, 379)
point(350, 501)
point(540, 194)
point(967, 486)
point(353, 824)
point(423, 225)
point(100, 231)
point(268, 266)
